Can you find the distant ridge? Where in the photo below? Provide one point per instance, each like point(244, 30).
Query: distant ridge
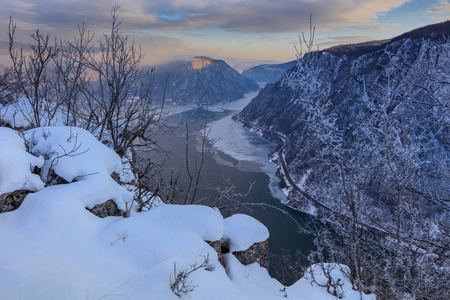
point(430, 31)
point(268, 72)
point(357, 49)
point(273, 72)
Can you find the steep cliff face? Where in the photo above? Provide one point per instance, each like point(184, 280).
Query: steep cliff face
point(200, 80)
point(365, 145)
point(355, 106)
point(268, 72)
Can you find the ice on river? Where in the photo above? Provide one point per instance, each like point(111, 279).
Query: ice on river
point(243, 145)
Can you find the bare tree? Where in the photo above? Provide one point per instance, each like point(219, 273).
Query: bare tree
point(71, 79)
point(33, 75)
point(103, 90)
point(7, 85)
point(181, 284)
point(194, 169)
point(122, 111)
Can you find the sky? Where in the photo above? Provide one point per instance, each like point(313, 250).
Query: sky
point(244, 32)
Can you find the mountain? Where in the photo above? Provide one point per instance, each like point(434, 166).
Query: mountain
point(343, 81)
point(239, 64)
point(364, 135)
point(200, 80)
point(268, 72)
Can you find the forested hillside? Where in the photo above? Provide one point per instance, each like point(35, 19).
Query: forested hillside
point(366, 134)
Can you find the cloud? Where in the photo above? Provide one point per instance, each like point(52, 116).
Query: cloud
point(172, 27)
point(249, 16)
point(440, 10)
point(159, 44)
point(442, 7)
point(256, 16)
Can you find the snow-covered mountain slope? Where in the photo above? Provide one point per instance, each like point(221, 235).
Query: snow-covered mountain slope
point(365, 143)
point(347, 88)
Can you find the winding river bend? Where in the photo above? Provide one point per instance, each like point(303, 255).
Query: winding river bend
point(240, 157)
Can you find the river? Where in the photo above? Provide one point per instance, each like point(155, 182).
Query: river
point(240, 157)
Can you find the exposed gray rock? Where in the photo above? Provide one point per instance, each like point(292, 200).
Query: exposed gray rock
point(116, 177)
point(107, 209)
point(12, 201)
point(257, 253)
point(217, 245)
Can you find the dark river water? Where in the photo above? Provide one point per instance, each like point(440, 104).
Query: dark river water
point(240, 157)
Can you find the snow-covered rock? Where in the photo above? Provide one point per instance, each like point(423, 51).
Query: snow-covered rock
point(242, 231)
point(314, 284)
point(16, 113)
point(16, 164)
point(74, 154)
point(20, 114)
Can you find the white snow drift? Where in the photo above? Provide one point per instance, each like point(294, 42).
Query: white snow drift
point(51, 247)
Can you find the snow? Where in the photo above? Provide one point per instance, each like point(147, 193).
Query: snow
point(73, 152)
point(51, 247)
point(253, 280)
point(16, 164)
point(15, 114)
point(308, 288)
point(19, 114)
point(243, 231)
point(234, 140)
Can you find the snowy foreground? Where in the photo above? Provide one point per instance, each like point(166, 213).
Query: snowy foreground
point(51, 247)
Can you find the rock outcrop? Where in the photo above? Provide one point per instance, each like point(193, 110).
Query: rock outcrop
point(257, 253)
point(247, 239)
point(12, 201)
point(107, 209)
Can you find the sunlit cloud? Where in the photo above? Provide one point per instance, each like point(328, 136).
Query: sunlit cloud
point(255, 16)
point(442, 7)
point(251, 16)
point(440, 10)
